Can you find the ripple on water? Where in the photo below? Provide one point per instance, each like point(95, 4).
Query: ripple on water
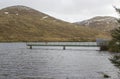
point(22, 63)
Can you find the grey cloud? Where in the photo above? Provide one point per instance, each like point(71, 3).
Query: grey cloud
point(69, 10)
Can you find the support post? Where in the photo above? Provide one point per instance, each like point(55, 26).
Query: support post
point(30, 46)
point(63, 47)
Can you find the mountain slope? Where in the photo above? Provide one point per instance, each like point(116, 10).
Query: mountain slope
point(103, 23)
point(21, 23)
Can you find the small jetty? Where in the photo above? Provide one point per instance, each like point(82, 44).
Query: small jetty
point(65, 44)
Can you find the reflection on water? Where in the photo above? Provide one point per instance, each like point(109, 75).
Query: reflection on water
point(18, 62)
point(116, 61)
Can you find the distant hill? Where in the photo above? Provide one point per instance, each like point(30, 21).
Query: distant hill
point(103, 23)
point(21, 23)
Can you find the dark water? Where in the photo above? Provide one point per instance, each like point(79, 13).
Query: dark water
point(19, 62)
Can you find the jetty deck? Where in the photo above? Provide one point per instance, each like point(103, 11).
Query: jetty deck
point(64, 44)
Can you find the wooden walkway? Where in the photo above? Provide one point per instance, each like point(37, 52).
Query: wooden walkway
point(64, 44)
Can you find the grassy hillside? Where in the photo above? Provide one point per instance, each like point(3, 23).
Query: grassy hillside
point(104, 24)
point(20, 23)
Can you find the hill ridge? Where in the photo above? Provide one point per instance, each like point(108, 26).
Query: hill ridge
point(31, 25)
point(106, 23)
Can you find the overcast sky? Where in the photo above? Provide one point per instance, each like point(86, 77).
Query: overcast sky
point(69, 10)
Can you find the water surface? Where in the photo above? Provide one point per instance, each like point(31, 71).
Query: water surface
point(19, 62)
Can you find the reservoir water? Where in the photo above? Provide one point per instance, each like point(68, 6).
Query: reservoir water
point(19, 62)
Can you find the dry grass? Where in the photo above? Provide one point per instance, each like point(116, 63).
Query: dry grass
point(24, 25)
